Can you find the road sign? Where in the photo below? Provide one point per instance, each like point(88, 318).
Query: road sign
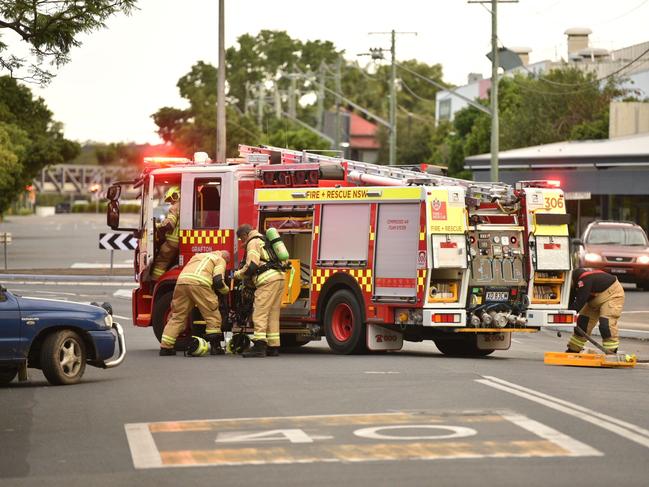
point(584, 195)
point(5, 238)
point(117, 241)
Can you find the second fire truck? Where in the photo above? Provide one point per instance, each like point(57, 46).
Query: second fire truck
point(379, 254)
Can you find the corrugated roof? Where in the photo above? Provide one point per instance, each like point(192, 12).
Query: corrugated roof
point(630, 146)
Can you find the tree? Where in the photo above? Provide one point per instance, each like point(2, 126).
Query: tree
point(29, 140)
point(50, 28)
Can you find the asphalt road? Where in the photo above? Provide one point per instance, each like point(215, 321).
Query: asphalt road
point(309, 417)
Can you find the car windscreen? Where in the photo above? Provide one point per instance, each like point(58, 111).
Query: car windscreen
point(616, 236)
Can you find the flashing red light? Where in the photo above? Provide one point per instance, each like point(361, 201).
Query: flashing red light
point(560, 318)
point(554, 183)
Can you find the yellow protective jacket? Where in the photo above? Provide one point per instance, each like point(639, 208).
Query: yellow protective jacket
point(256, 252)
point(172, 217)
point(202, 268)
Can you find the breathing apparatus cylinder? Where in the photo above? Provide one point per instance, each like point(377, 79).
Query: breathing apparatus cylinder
point(278, 246)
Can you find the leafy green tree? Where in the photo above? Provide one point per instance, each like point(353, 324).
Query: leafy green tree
point(296, 138)
point(31, 135)
point(51, 29)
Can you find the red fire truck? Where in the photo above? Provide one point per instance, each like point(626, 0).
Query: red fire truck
point(383, 254)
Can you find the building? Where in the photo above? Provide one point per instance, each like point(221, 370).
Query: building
point(580, 55)
point(605, 179)
point(358, 136)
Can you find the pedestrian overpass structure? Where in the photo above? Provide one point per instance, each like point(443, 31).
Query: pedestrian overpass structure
point(79, 179)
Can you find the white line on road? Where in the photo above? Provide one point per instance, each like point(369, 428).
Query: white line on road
point(622, 428)
point(143, 448)
point(575, 448)
point(121, 317)
point(72, 283)
point(123, 293)
point(381, 372)
point(635, 312)
point(92, 265)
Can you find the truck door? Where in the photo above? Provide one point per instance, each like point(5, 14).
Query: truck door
point(9, 325)
point(395, 262)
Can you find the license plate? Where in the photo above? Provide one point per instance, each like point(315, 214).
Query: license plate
point(497, 296)
point(618, 271)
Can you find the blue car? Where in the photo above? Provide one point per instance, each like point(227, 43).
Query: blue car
point(58, 337)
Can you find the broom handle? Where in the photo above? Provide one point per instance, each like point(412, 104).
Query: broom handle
point(588, 337)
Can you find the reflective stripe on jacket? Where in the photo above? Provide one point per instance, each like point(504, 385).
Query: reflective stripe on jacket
point(202, 268)
point(172, 217)
point(256, 252)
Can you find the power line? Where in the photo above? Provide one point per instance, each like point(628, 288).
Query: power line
point(409, 90)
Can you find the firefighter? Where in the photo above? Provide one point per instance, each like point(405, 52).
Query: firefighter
point(268, 280)
point(167, 235)
point(197, 285)
point(598, 298)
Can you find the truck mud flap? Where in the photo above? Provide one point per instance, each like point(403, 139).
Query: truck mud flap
point(382, 338)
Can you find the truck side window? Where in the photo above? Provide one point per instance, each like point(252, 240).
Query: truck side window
point(207, 203)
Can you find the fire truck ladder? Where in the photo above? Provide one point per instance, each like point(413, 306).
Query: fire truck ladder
point(375, 174)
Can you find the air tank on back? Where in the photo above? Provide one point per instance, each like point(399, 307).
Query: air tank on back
point(278, 246)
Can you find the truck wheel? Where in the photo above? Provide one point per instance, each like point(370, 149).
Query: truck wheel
point(7, 375)
point(462, 347)
point(342, 322)
point(160, 315)
point(63, 358)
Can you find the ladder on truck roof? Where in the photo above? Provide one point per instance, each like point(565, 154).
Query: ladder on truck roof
point(366, 173)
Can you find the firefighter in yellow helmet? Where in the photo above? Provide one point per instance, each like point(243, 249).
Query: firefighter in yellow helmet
point(198, 284)
point(167, 233)
point(269, 287)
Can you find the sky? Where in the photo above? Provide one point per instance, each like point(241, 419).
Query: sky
point(120, 75)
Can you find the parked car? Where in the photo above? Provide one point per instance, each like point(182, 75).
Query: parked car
point(58, 337)
point(62, 208)
point(620, 248)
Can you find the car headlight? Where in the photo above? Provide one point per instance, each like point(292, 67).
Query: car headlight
point(643, 259)
point(108, 321)
point(592, 257)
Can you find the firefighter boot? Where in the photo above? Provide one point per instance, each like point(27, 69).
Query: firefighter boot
point(257, 350)
point(272, 351)
point(215, 343)
point(166, 352)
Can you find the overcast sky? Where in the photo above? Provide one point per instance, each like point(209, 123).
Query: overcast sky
point(123, 74)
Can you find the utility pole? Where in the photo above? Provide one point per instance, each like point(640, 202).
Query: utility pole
point(321, 95)
point(292, 108)
point(220, 90)
point(495, 128)
point(278, 103)
point(377, 53)
point(261, 94)
point(337, 138)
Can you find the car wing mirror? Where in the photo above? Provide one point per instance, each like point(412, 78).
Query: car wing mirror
point(577, 242)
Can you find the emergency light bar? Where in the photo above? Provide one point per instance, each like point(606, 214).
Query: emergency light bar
point(539, 183)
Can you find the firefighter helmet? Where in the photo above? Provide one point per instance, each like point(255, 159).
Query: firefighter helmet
point(198, 347)
point(239, 343)
point(172, 194)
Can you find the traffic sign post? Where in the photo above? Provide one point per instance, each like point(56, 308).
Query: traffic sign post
point(116, 241)
point(5, 239)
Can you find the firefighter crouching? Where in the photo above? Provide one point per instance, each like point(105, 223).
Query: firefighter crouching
point(599, 298)
point(268, 280)
point(197, 285)
point(167, 233)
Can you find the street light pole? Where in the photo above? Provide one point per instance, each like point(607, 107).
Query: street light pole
point(220, 90)
point(393, 103)
point(494, 91)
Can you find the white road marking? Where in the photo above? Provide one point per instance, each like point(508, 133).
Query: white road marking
point(373, 433)
point(575, 447)
point(56, 293)
point(635, 312)
point(143, 448)
point(96, 265)
point(123, 293)
point(622, 428)
point(119, 317)
point(381, 372)
point(71, 283)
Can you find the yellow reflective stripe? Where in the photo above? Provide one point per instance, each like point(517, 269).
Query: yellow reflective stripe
point(266, 275)
point(173, 218)
point(259, 336)
point(204, 261)
point(197, 277)
point(167, 340)
point(272, 335)
point(219, 269)
point(158, 271)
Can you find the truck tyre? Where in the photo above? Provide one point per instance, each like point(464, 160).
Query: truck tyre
point(159, 316)
point(462, 347)
point(63, 357)
point(345, 332)
point(7, 375)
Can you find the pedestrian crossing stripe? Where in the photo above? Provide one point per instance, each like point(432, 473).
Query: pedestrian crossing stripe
point(204, 237)
point(362, 276)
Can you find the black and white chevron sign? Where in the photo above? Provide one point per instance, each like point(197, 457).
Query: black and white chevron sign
point(117, 241)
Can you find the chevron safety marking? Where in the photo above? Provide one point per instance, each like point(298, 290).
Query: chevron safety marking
point(204, 237)
point(117, 241)
point(421, 280)
point(362, 276)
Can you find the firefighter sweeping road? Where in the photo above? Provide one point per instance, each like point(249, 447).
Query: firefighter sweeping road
point(317, 418)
